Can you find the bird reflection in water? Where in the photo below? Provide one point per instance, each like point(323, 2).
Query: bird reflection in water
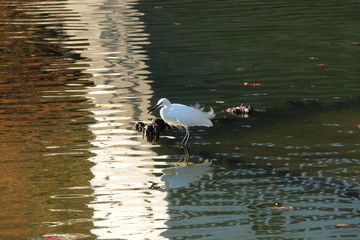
point(182, 174)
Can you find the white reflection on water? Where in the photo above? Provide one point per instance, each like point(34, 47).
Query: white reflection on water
point(126, 204)
point(185, 173)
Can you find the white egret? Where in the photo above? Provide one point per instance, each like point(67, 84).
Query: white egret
point(183, 116)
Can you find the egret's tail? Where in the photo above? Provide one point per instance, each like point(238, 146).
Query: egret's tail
point(209, 115)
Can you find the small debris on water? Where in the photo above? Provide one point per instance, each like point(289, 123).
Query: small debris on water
point(241, 111)
point(343, 225)
point(252, 84)
point(117, 204)
point(279, 206)
point(285, 208)
point(52, 238)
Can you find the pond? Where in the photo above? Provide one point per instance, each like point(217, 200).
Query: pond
point(76, 77)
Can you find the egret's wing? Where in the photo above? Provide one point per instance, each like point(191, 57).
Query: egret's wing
point(188, 116)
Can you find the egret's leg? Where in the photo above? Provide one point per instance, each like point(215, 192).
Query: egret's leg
point(186, 138)
point(187, 155)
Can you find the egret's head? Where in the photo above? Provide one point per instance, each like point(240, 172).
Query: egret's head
point(163, 102)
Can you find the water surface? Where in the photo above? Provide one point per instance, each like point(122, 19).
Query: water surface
point(76, 77)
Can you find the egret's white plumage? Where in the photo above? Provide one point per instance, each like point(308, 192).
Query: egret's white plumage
point(183, 116)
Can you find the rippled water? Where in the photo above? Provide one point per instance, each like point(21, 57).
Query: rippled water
point(75, 77)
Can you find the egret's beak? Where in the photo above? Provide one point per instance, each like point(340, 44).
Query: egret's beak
point(154, 107)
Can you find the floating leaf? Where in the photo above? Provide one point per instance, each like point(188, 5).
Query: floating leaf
point(285, 208)
point(252, 84)
point(342, 225)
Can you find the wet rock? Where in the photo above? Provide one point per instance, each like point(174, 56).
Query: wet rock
point(161, 124)
point(139, 126)
point(152, 130)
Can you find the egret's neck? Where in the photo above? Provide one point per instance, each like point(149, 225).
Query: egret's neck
point(164, 113)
